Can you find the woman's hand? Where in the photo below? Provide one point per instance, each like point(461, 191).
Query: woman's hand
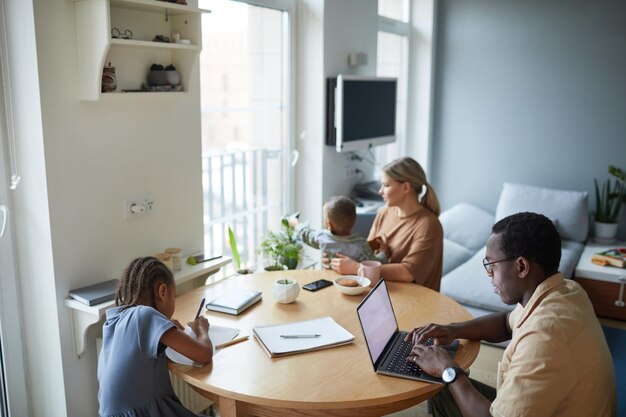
point(440, 335)
point(344, 265)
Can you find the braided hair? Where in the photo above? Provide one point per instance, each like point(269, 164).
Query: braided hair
point(140, 278)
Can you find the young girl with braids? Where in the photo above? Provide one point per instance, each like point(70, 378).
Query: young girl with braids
point(132, 369)
point(409, 226)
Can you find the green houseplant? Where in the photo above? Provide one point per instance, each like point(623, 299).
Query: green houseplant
point(281, 248)
point(609, 198)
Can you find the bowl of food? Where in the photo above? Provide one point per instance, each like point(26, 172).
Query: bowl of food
point(352, 284)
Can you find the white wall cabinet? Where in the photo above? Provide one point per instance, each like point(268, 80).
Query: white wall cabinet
point(132, 58)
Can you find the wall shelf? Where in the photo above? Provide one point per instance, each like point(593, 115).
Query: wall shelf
point(132, 58)
point(82, 316)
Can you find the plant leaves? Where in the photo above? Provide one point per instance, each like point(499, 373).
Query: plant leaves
point(233, 248)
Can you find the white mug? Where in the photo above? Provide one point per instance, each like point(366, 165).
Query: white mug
point(371, 270)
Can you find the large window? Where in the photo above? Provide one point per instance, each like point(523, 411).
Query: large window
point(246, 141)
point(393, 61)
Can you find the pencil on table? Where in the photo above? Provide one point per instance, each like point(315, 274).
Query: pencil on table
point(232, 342)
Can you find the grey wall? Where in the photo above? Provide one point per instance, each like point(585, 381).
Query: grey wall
point(527, 91)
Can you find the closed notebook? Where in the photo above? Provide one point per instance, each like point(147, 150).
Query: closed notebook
point(97, 293)
point(235, 301)
point(301, 336)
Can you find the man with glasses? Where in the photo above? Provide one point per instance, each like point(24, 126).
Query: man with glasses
point(557, 363)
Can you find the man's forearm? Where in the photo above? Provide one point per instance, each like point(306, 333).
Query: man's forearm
point(491, 328)
point(469, 400)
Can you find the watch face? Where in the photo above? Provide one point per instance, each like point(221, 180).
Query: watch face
point(448, 375)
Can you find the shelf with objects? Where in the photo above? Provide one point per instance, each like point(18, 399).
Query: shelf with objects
point(603, 281)
point(83, 316)
point(118, 41)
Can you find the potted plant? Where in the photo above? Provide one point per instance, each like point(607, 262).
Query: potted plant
point(281, 248)
point(609, 199)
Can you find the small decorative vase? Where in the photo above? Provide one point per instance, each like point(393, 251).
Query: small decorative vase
point(172, 77)
point(157, 77)
point(285, 290)
point(605, 232)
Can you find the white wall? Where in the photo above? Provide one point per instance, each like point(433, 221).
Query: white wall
point(328, 30)
point(349, 26)
point(310, 109)
point(97, 154)
point(528, 92)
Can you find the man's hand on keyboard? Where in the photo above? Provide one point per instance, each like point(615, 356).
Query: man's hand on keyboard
point(438, 334)
point(432, 359)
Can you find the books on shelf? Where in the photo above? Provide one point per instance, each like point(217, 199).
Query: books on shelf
point(97, 293)
point(301, 336)
point(235, 301)
point(614, 257)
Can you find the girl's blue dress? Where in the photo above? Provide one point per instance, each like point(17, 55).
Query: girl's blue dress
point(132, 368)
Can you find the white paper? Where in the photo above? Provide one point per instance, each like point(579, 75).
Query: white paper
point(217, 334)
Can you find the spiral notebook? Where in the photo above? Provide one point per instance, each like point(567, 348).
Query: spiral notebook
point(301, 336)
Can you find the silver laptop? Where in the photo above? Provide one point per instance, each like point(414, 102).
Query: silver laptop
point(385, 342)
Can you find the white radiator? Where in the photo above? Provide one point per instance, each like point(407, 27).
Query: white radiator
point(190, 399)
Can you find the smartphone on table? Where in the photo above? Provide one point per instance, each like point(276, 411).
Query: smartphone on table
point(317, 285)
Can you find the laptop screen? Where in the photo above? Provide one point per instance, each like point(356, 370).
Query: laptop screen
point(377, 319)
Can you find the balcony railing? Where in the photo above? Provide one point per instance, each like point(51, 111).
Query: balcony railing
point(244, 190)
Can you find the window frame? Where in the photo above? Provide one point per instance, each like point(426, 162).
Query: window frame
point(400, 28)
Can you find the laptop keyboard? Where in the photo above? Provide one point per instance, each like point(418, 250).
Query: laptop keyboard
point(398, 363)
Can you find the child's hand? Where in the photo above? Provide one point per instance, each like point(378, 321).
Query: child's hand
point(200, 326)
point(293, 222)
point(177, 323)
point(383, 247)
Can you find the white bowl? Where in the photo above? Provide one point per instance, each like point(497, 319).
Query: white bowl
point(364, 283)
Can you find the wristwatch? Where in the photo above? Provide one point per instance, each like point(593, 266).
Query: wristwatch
point(449, 375)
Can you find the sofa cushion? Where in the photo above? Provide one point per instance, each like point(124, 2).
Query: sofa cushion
point(467, 225)
point(469, 284)
point(567, 209)
point(570, 254)
point(454, 255)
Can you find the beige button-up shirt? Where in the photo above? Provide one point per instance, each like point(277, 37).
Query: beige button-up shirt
point(558, 362)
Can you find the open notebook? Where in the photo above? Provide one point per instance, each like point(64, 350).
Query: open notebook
point(217, 334)
point(301, 336)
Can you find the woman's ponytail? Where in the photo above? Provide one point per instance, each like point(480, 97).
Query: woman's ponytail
point(430, 200)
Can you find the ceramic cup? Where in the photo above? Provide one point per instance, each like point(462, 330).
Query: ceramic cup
point(285, 290)
point(371, 270)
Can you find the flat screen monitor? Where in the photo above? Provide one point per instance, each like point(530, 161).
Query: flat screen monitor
point(365, 112)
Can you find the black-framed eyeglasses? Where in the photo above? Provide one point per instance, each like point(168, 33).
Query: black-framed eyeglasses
point(489, 265)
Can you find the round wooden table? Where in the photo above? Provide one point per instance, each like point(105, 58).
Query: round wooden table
point(338, 381)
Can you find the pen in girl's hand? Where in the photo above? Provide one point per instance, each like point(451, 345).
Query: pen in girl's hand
point(200, 309)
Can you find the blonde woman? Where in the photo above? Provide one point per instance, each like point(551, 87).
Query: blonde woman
point(408, 225)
